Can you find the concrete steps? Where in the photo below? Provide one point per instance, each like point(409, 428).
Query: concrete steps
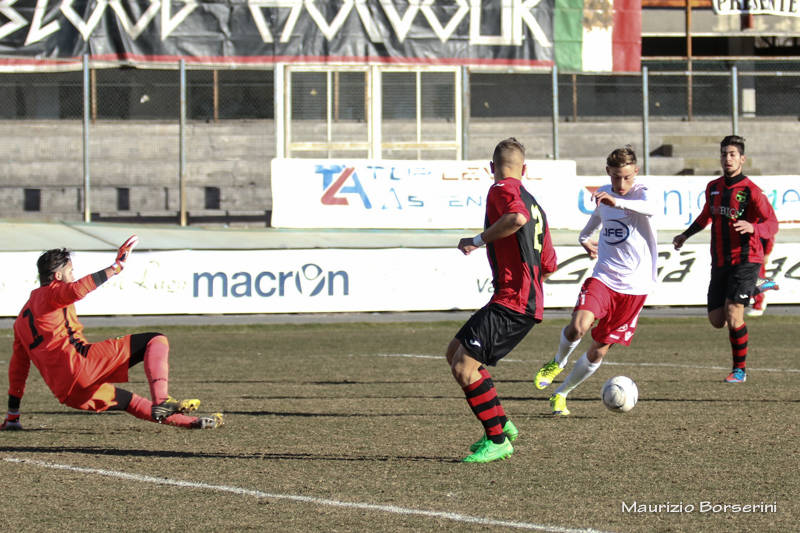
point(235, 155)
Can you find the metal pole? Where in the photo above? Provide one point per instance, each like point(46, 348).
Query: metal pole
point(645, 121)
point(689, 88)
point(280, 108)
point(463, 112)
point(376, 112)
point(555, 112)
point(328, 111)
point(215, 89)
point(419, 111)
point(574, 98)
point(735, 100)
point(87, 213)
point(93, 84)
point(182, 144)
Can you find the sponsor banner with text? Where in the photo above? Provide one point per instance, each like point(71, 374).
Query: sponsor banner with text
point(358, 193)
point(337, 280)
point(451, 194)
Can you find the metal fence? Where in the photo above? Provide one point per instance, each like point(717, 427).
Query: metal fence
point(195, 145)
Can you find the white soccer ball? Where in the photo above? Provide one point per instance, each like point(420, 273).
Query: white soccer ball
point(620, 394)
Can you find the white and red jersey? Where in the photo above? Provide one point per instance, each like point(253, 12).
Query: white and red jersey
point(627, 246)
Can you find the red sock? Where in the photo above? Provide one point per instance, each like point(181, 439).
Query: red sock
point(181, 420)
point(156, 368)
point(481, 397)
point(140, 408)
point(738, 338)
point(501, 413)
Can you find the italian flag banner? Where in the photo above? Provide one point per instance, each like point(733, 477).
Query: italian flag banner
point(598, 35)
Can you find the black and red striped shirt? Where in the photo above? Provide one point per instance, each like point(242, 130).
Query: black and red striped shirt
point(520, 260)
point(729, 200)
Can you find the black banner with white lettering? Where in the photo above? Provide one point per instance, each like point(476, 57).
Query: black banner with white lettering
point(38, 33)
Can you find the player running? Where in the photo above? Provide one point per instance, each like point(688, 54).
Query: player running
point(48, 333)
point(624, 274)
point(521, 256)
point(740, 216)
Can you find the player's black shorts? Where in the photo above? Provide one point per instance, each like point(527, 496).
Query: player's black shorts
point(736, 283)
point(493, 331)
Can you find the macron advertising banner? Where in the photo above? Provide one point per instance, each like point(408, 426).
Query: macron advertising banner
point(325, 193)
point(339, 280)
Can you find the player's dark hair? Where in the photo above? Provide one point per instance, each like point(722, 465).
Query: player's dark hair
point(502, 152)
point(49, 262)
point(733, 140)
point(621, 157)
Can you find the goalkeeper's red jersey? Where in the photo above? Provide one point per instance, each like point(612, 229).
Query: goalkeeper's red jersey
point(48, 332)
point(520, 260)
point(728, 200)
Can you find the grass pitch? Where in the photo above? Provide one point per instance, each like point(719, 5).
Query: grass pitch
point(360, 427)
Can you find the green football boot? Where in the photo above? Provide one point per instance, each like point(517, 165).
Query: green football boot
point(491, 452)
point(509, 429)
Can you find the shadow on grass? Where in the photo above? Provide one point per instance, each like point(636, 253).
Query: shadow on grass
point(319, 382)
point(173, 454)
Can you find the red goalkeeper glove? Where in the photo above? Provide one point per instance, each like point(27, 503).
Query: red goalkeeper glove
point(123, 253)
point(11, 422)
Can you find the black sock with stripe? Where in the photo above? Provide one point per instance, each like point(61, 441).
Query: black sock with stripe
point(738, 338)
point(501, 413)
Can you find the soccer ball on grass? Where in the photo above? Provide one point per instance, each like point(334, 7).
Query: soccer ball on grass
point(620, 394)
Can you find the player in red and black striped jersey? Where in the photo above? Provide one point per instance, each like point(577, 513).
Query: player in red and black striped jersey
point(80, 374)
point(740, 216)
point(521, 256)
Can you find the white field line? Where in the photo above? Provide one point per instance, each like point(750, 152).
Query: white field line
point(300, 499)
point(613, 363)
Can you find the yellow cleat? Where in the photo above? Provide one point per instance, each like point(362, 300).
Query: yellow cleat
point(546, 374)
point(187, 406)
point(558, 404)
point(170, 406)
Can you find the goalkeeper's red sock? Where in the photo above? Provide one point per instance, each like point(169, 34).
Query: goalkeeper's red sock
point(140, 408)
point(156, 368)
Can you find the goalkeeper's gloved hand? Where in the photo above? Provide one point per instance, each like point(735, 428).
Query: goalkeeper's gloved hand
point(123, 253)
point(11, 422)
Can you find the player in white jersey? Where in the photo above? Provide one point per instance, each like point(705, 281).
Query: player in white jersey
point(623, 276)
